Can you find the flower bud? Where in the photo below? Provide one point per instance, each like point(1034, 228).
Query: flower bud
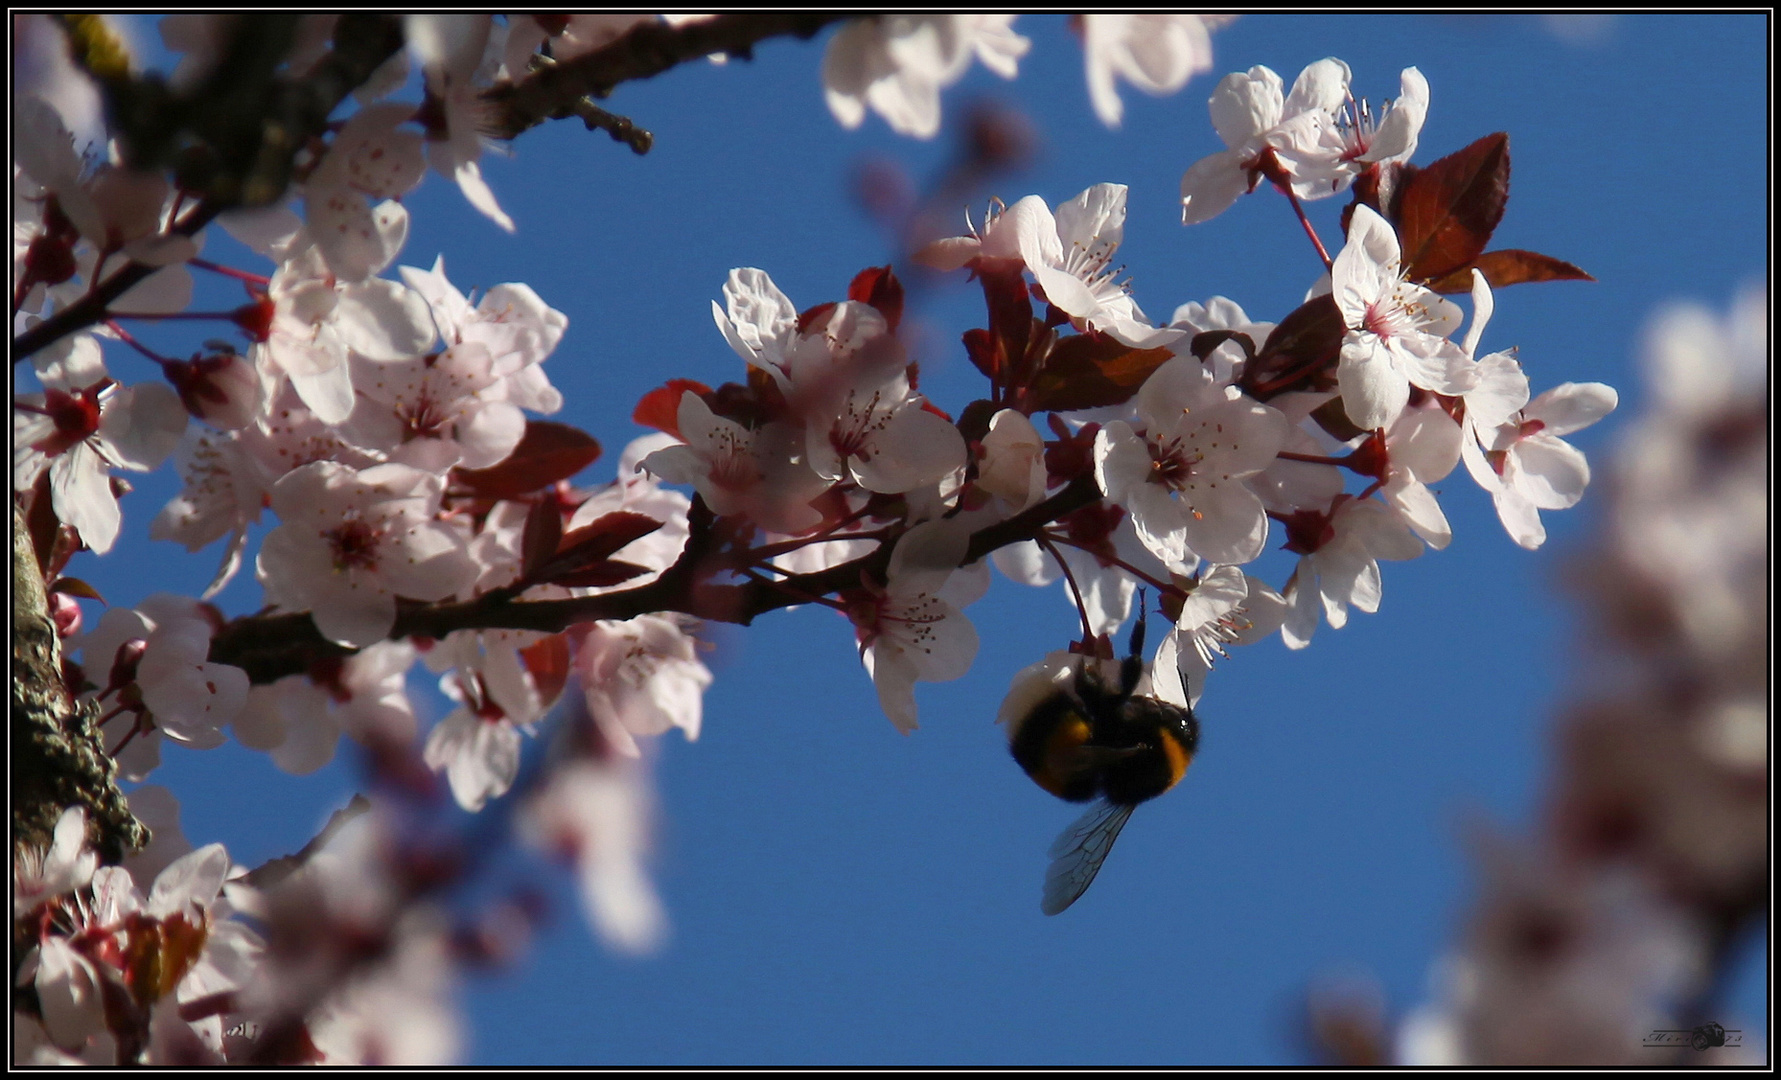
point(221, 389)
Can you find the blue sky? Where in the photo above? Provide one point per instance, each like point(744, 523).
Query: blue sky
point(841, 893)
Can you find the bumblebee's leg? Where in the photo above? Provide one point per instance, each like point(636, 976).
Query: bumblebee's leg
point(1131, 669)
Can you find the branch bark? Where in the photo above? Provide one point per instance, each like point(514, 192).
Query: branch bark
point(645, 51)
point(58, 759)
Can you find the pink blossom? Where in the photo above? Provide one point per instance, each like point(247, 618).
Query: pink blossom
point(909, 630)
point(898, 64)
point(597, 814)
point(1182, 478)
point(1155, 53)
point(1397, 332)
point(641, 677)
point(1257, 121)
point(350, 542)
point(80, 434)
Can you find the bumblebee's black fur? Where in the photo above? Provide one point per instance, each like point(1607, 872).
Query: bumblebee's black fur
point(1093, 739)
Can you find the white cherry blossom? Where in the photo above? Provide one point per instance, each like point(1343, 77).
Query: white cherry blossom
point(741, 472)
point(869, 427)
point(1182, 477)
point(597, 814)
point(40, 875)
point(352, 541)
point(898, 64)
point(79, 434)
point(1397, 332)
point(1070, 255)
point(1253, 117)
point(1227, 607)
point(1526, 465)
point(1155, 53)
point(1219, 313)
point(1341, 567)
point(478, 744)
point(369, 159)
point(641, 677)
point(299, 719)
point(908, 630)
point(1421, 447)
point(511, 321)
point(759, 321)
point(1012, 466)
point(1350, 139)
point(453, 52)
point(319, 320)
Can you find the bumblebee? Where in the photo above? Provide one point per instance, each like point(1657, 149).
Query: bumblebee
point(1082, 737)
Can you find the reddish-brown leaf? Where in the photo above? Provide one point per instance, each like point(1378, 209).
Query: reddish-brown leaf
point(547, 659)
point(605, 535)
point(74, 586)
point(600, 575)
point(810, 316)
point(1333, 418)
point(1203, 343)
point(1447, 212)
point(1511, 266)
point(547, 453)
point(1010, 308)
point(1308, 341)
point(542, 534)
point(660, 408)
point(985, 351)
point(878, 286)
point(41, 522)
point(1088, 371)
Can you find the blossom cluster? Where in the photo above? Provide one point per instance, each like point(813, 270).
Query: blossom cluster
point(381, 431)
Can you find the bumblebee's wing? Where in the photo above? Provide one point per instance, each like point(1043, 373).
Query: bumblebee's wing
point(1078, 852)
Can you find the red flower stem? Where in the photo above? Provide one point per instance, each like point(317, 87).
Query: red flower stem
point(131, 734)
point(230, 271)
point(1306, 222)
point(1163, 586)
point(1088, 633)
point(130, 340)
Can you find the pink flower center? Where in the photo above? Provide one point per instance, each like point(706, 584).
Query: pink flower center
point(1172, 464)
point(76, 417)
point(355, 544)
point(1388, 318)
point(853, 433)
point(733, 466)
point(1359, 127)
point(423, 418)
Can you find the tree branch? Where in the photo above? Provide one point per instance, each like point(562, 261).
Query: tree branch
point(645, 51)
point(269, 647)
point(233, 141)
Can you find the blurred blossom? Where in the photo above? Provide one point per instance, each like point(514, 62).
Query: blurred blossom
point(1621, 916)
